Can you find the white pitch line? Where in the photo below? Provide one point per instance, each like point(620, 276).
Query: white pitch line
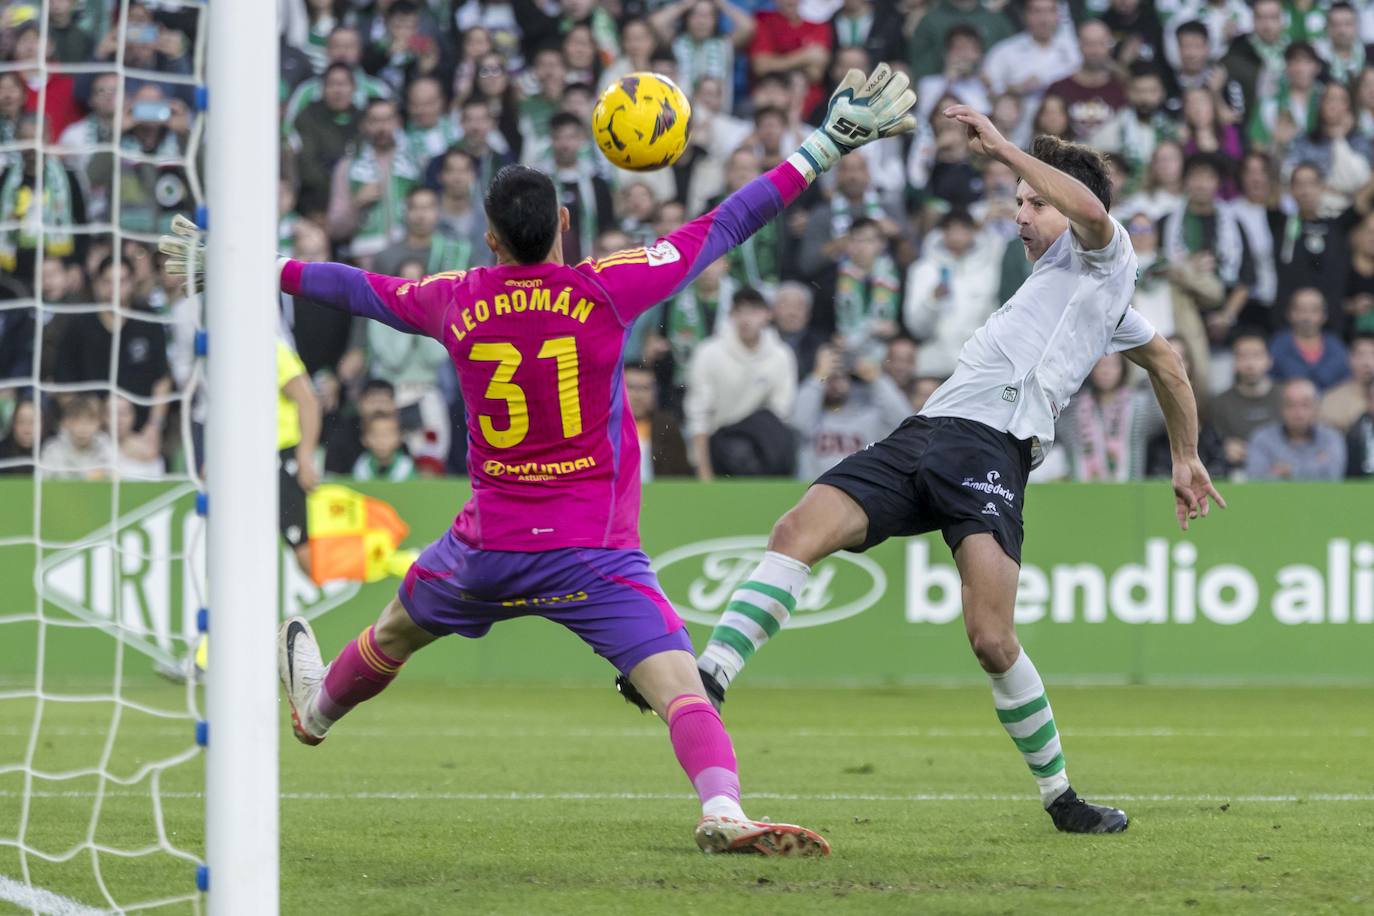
point(44, 902)
point(657, 732)
point(682, 796)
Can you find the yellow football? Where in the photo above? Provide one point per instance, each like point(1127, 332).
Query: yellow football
point(642, 121)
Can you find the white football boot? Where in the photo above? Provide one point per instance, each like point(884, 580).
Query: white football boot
point(716, 833)
point(302, 669)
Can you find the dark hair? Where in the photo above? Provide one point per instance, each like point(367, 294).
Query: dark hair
point(957, 215)
point(549, 46)
point(774, 77)
point(1301, 47)
point(565, 119)
point(1360, 337)
point(1309, 166)
point(1079, 161)
point(474, 101)
point(747, 295)
point(1194, 27)
point(418, 190)
point(378, 384)
point(373, 103)
point(1249, 332)
point(963, 31)
point(768, 111)
point(637, 365)
point(348, 71)
point(864, 222)
point(403, 8)
point(574, 88)
point(522, 210)
point(1203, 161)
point(1142, 68)
point(108, 262)
point(461, 154)
point(1118, 161)
point(1340, 5)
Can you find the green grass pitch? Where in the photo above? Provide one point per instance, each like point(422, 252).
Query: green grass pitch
point(438, 799)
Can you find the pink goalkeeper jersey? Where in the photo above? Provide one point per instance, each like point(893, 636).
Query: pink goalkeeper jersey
point(552, 448)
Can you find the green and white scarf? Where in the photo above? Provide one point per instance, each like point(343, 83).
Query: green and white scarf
point(690, 318)
point(865, 296)
point(754, 262)
point(1260, 130)
point(712, 57)
point(425, 143)
point(843, 213)
point(381, 222)
point(447, 253)
point(52, 220)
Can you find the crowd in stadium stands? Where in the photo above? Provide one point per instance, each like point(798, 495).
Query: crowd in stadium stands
point(1239, 137)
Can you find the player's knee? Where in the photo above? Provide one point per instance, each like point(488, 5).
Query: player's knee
point(789, 536)
point(995, 648)
point(397, 635)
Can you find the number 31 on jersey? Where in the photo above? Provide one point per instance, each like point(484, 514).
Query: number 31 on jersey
point(563, 350)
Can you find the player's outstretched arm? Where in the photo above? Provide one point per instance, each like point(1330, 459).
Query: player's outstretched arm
point(412, 307)
point(862, 109)
point(1067, 194)
point(1192, 484)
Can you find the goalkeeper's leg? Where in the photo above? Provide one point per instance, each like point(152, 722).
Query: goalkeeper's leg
point(668, 681)
point(320, 695)
point(826, 520)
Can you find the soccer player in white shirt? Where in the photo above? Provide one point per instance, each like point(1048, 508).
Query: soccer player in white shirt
point(960, 465)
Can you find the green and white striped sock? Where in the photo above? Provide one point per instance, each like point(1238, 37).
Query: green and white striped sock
point(757, 610)
point(1024, 710)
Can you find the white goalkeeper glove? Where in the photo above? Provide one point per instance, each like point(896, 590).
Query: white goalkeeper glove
point(861, 110)
point(185, 250)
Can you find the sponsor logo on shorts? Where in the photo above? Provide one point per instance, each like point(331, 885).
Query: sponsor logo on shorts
point(700, 577)
point(1009, 394)
point(544, 599)
point(991, 487)
point(541, 531)
point(534, 470)
point(991, 509)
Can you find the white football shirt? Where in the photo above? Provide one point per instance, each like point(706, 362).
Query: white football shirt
point(1018, 371)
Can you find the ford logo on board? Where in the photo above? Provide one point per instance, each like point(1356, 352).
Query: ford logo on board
point(700, 577)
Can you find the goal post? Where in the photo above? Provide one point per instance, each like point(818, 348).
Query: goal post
point(242, 322)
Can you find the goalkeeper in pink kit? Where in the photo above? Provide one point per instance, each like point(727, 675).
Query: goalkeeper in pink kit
point(551, 528)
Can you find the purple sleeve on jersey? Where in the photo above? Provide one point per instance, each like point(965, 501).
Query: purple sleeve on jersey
point(732, 223)
point(343, 287)
point(638, 279)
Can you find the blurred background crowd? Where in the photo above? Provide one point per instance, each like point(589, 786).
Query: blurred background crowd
point(1239, 136)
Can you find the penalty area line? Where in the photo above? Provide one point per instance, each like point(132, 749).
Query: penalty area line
point(44, 902)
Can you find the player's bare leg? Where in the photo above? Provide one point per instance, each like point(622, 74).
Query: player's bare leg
point(668, 681)
point(825, 520)
point(989, 580)
point(322, 694)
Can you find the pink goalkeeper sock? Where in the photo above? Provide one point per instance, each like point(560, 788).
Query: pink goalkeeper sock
point(703, 748)
point(359, 673)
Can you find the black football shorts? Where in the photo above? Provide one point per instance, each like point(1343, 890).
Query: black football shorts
point(291, 518)
point(946, 474)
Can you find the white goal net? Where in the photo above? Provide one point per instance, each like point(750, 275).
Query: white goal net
point(102, 571)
